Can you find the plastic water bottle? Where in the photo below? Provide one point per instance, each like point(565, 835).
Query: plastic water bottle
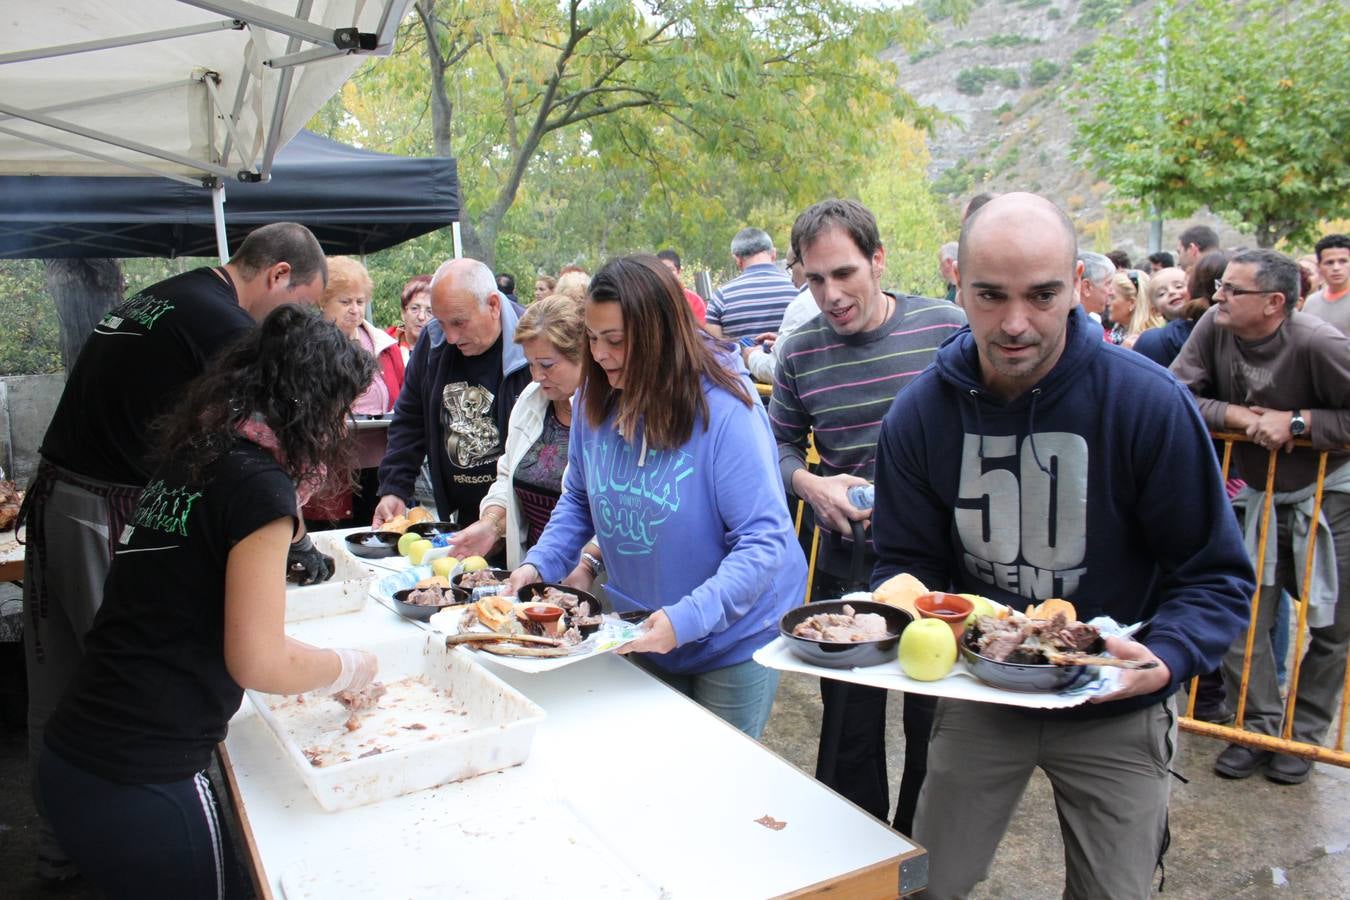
point(862, 496)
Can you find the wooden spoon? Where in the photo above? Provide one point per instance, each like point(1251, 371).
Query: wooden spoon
point(1078, 659)
point(472, 637)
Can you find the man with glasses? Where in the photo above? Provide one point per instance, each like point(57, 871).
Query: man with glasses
point(1098, 288)
point(1256, 365)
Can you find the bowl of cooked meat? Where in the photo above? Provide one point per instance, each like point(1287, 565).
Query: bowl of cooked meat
point(373, 544)
point(421, 603)
point(481, 583)
point(583, 610)
point(844, 634)
point(1021, 653)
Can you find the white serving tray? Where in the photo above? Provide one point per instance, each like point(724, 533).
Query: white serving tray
point(344, 593)
point(489, 726)
point(961, 684)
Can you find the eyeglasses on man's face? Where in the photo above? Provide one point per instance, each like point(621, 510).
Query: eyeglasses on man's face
point(1224, 289)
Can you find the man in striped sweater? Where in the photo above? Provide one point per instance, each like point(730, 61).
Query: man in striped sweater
point(837, 376)
point(752, 302)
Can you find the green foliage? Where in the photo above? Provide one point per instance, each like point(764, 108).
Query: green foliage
point(1004, 107)
point(1043, 71)
point(1240, 116)
point(636, 113)
point(972, 81)
point(1054, 13)
point(30, 341)
point(960, 178)
point(1037, 4)
point(1100, 13)
point(1010, 40)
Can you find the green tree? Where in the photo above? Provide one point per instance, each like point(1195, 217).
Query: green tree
point(679, 89)
point(30, 340)
point(1227, 106)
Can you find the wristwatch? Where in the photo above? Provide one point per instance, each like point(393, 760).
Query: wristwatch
point(1297, 424)
point(594, 563)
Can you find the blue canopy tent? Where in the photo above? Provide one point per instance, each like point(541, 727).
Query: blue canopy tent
point(355, 201)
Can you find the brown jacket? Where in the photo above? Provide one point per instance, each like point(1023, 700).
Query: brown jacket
point(1303, 365)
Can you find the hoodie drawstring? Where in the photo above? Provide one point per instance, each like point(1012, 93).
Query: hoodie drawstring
point(1031, 431)
point(1031, 428)
point(979, 422)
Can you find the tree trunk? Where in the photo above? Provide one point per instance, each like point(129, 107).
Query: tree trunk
point(83, 289)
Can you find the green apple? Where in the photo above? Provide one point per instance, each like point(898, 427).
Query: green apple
point(927, 649)
point(475, 564)
point(983, 607)
point(417, 550)
point(406, 541)
point(443, 566)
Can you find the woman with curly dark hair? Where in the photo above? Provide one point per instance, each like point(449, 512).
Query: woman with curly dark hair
point(673, 468)
point(193, 612)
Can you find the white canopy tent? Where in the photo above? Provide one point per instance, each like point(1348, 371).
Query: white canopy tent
point(202, 91)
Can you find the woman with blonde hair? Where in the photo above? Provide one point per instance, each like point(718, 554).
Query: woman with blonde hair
point(530, 469)
point(1130, 310)
point(573, 283)
point(344, 303)
point(674, 469)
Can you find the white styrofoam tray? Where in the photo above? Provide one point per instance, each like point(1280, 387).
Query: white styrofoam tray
point(486, 726)
point(344, 593)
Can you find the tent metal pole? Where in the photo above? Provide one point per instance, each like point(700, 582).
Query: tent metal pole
point(245, 74)
point(102, 157)
point(113, 98)
point(114, 140)
point(218, 213)
point(271, 147)
point(297, 26)
point(458, 241)
point(246, 159)
point(126, 40)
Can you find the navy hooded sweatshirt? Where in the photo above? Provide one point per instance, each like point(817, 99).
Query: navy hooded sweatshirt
point(1116, 505)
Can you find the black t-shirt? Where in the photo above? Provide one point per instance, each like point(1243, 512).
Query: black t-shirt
point(472, 440)
point(152, 696)
point(133, 368)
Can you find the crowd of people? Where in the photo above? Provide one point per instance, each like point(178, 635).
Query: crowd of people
point(1042, 430)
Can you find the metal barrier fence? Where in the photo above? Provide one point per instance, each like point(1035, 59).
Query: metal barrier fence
point(1236, 733)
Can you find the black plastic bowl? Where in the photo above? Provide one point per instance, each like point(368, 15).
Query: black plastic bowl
point(429, 530)
point(424, 613)
point(1026, 677)
point(388, 545)
point(836, 655)
point(502, 575)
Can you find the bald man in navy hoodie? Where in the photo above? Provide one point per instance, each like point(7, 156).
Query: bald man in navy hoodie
point(1001, 471)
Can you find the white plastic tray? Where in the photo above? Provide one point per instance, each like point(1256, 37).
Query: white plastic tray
point(486, 726)
point(344, 593)
point(961, 684)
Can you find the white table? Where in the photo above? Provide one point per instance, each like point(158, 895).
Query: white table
point(673, 793)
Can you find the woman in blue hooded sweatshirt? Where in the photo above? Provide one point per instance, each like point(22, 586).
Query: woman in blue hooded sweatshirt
point(672, 466)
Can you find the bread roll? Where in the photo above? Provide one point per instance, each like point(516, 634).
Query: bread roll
point(901, 590)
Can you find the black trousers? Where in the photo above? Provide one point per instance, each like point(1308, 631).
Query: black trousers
point(852, 755)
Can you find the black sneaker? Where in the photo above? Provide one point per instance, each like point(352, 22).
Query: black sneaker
point(1286, 769)
point(1240, 762)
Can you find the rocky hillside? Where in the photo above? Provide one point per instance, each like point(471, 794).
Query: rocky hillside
point(999, 78)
